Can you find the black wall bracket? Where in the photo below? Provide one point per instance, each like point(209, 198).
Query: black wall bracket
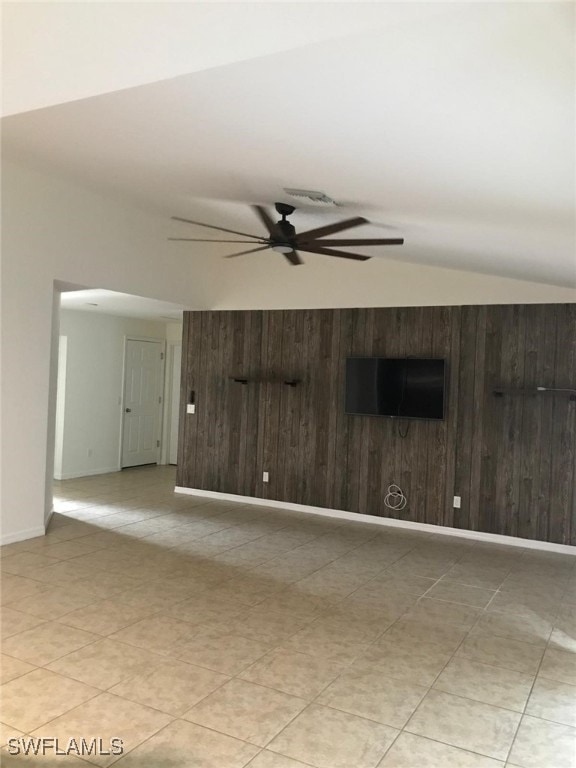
point(243, 380)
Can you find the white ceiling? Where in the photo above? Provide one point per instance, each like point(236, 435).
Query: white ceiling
point(449, 124)
point(122, 305)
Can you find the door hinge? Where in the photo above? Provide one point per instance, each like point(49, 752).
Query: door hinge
point(160, 399)
point(161, 355)
point(157, 443)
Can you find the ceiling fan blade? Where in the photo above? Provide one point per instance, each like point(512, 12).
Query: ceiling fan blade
point(330, 229)
point(252, 250)
point(200, 240)
point(265, 218)
point(329, 252)
point(294, 258)
point(370, 241)
point(211, 226)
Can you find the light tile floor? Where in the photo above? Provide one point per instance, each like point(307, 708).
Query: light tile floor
point(220, 635)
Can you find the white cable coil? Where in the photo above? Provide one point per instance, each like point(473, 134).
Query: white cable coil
point(395, 498)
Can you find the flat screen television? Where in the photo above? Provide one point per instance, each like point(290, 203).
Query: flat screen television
point(408, 388)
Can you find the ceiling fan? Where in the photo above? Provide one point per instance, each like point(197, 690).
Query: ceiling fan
point(282, 237)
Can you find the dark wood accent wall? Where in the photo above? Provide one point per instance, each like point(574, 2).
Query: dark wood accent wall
point(510, 458)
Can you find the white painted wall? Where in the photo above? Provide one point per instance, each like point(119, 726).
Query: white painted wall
point(55, 230)
point(94, 383)
point(60, 406)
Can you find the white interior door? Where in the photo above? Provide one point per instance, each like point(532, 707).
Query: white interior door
point(142, 402)
point(174, 403)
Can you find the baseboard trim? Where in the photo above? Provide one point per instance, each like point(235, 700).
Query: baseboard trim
point(494, 538)
point(87, 473)
point(28, 533)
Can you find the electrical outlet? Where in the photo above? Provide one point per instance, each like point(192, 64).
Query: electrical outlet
point(457, 502)
point(265, 477)
point(90, 452)
point(190, 408)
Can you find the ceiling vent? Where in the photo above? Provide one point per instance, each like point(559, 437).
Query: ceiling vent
point(316, 198)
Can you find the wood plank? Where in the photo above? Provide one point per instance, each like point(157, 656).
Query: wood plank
point(480, 398)
point(549, 329)
point(343, 421)
point(530, 428)
point(272, 366)
point(452, 416)
point(463, 399)
point(437, 431)
point(563, 428)
point(492, 421)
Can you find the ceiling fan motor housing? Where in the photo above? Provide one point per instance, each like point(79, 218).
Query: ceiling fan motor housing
point(285, 232)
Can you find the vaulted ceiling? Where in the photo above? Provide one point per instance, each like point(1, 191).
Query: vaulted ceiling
point(451, 125)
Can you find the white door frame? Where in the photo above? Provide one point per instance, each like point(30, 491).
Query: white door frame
point(171, 346)
point(123, 395)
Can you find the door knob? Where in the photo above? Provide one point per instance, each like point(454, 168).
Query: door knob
point(128, 410)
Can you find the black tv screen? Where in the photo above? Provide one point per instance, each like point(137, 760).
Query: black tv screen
point(411, 388)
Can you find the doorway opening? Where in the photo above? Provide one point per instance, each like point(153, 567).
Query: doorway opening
point(117, 400)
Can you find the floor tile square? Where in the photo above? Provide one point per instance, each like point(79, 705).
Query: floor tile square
point(325, 738)
point(440, 611)
point(6, 733)
point(292, 672)
point(161, 634)
point(541, 744)
point(411, 662)
point(527, 629)
point(55, 602)
point(226, 653)
point(512, 603)
point(246, 711)
point(24, 562)
point(373, 695)
point(104, 617)
point(107, 717)
point(206, 607)
point(502, 652)
point(39, 696)
point(476, 576)
point(186, 745)
point(268, 759)
point(559, 665)
point(410, 751)
point(411, 584)
point(46, 642)
point(324, 640)
point(105, 663)
point(482, 682)
point(466, 724)
point(466, 594)
point(172, 686)
point(13, 622)
point(409, 630)
point(551, 700)
point(11, 668)
point(13, 587)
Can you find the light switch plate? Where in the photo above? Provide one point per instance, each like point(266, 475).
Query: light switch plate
point(457, 502)
point(190, 408)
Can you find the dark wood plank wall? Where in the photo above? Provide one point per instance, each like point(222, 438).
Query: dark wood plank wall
point(511, 459)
